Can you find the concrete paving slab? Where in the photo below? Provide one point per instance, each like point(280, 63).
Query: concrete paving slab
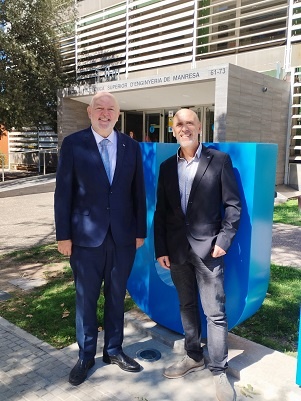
point(286, 245)
point(26, 221)
point(33, 370)
point(28, 284)
point(26, 186)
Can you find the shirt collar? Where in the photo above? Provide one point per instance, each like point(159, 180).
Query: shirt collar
point(98, 138)
point(197, 153)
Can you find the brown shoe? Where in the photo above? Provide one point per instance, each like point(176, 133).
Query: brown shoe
point(223, 388)
point(183, 367)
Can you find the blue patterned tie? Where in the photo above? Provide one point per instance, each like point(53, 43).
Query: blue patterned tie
point(105, 156)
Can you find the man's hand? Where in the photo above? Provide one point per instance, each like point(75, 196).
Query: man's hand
point(65, 247)
point(164, 262)
point(217, 252)
point(139, 242)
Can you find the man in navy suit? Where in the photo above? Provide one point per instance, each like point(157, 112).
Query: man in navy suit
point(196, 218)
point(100, 216)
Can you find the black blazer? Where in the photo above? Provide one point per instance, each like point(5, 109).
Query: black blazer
point(85, 202)
point(213, 209)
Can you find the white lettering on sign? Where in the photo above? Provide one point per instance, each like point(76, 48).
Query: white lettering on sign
point(117, 85)
point(217, 71)
point(145, 82)
point(164, 79)
point(189, 75)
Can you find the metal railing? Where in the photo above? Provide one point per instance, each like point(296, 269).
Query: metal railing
point(2, 166)
point(44, 151)
point(36, 160)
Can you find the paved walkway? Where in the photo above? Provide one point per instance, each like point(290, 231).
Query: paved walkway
point(286, 245)
point(33, 370)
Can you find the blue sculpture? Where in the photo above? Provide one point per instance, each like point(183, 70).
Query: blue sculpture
point(247, 270)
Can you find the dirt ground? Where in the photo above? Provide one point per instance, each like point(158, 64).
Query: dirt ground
point(12, 270)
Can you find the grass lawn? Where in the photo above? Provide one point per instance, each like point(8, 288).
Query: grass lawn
point(276, 323)
point(48, 312)
point(287, 213)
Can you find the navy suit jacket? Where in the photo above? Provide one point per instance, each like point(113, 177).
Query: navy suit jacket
point(213, 209)
point(86, 204)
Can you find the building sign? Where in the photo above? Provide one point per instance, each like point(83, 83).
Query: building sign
point(154, 81)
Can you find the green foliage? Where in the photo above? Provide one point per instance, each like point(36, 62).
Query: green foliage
point(287, 213)
point(30, 60)
point(44, 254)
point(47, 312)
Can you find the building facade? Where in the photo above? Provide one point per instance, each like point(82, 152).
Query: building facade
point(235, 62)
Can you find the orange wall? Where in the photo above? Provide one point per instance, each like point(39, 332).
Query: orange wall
point(4, 145)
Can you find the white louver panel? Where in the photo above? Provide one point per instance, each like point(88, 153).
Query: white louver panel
point(232, 26)
point(135, 35)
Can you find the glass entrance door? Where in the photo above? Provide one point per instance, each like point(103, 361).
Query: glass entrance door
point(120, 123)
point(134, 124)
point(152, 127)
point(208, 124)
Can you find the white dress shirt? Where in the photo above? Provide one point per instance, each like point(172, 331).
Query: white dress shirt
point(186, 174)
point(112, 148)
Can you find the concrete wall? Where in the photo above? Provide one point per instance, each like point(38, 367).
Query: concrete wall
point(255, 114)
point(295, 175)
point(72, 117)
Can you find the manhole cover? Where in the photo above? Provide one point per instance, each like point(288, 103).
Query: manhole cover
point(4, 296)
point(149, 355)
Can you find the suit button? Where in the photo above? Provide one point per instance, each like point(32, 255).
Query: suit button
point(108, 208)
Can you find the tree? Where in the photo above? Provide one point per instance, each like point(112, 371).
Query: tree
point(30, 60)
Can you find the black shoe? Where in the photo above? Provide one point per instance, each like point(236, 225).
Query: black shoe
point(123, 361)
point(79, 373)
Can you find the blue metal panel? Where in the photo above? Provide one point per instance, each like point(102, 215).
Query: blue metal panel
point(298, 377)
point(248, 260)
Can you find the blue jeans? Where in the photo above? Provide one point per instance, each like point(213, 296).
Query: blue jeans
point(204, 277)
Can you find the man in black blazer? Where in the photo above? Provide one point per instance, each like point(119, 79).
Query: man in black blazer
point(196, 218)
point(100, 216)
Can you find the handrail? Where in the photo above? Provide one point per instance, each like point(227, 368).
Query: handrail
point(44, 151)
